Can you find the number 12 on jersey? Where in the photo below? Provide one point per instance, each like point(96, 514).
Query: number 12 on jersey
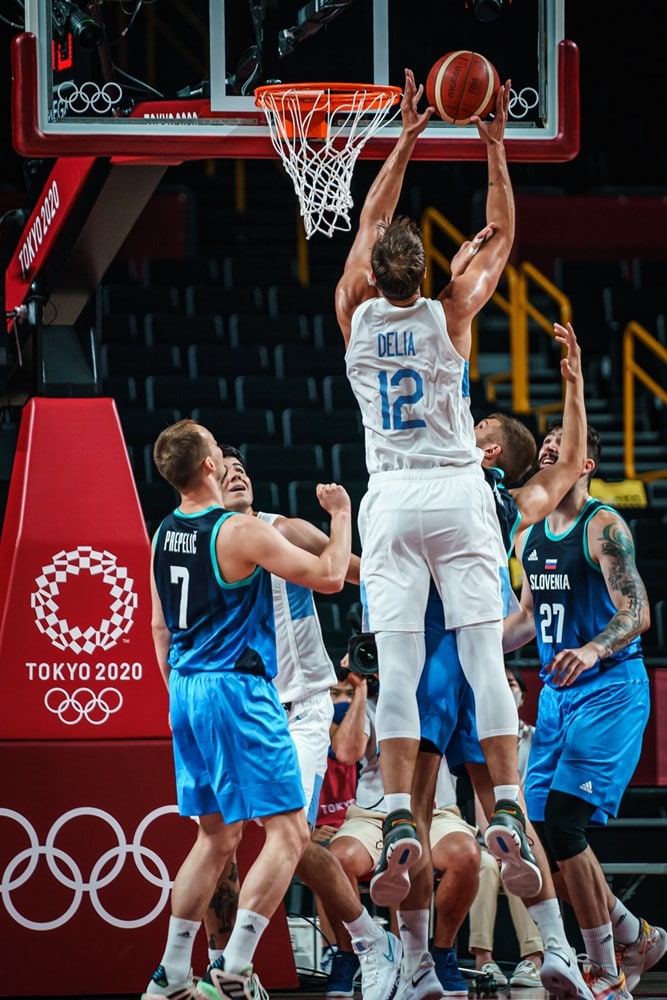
point(392, 416)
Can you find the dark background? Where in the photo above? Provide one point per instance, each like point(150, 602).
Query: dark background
point(623, 90)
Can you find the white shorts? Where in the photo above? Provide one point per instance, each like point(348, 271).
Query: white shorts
point(309, 722)
point(419, 524)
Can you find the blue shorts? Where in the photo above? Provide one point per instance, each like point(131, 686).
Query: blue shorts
point(588, 740)
point(233, 752)
point(445, 700)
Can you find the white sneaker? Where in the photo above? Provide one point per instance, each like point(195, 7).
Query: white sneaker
point(526, 974)
point(636, 959)
point(421, 983)
point(491, 969)
point(561, 976)
point(380, 967)
point(160, 986)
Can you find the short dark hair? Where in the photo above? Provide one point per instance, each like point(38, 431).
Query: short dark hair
point(593, 444)
point(229, 451)
point(179, 451)
point(519, 448)
point(518, 677)
point(398, 259)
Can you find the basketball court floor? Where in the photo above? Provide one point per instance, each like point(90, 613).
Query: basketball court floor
point(652, 987)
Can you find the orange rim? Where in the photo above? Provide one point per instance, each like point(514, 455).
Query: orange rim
point(338, 94)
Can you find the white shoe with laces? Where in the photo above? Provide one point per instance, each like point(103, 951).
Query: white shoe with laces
point(561, 976)
point(492, 969)
point(526, 974)
point(380, 967)
point(421, 983)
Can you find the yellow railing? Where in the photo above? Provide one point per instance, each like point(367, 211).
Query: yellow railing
point(516, 305)
point(529, 274)
point(433, 222)
point(520, 309)
point(632, 372)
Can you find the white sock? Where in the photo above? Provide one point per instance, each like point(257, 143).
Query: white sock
point(413, 928)
point(627, 926)
point(177, 958)
point(397, 800)
point(549, 920)
point(363, 931)
point(599, 945)
point(240, 949)
point(214, 954)
point(510, 792)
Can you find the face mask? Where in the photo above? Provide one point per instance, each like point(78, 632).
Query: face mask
point(518, 695)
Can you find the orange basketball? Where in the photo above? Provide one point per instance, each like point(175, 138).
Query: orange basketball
point(462, 84)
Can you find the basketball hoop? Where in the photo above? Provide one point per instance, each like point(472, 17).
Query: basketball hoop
point(319, 129)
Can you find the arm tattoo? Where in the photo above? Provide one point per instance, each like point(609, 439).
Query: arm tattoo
point(623, 579)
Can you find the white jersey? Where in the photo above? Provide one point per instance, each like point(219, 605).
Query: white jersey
point(304, 666)
point(412, 387)
point(370, 790)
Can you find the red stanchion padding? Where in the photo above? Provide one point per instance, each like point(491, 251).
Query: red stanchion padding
point(652, 767)
point(90, 842)
point(76, 653)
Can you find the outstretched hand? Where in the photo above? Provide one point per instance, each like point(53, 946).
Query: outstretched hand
point(468, 250)
point(491, 132)
point(570, 365)
point(414, 121)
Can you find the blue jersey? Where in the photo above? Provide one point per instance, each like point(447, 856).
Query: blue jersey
point(570, 597)
point(507, 511)
point(214, 625)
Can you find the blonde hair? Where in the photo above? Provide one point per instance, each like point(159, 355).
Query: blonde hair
point(179, 451)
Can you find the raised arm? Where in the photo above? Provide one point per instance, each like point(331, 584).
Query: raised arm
point(548, 486)
point(380, 204)
point(246, 542)
point(311, 538)
point(465, 295)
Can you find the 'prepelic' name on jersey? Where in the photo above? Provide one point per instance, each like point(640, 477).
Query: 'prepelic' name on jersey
point(180, 541)
point(396, 344)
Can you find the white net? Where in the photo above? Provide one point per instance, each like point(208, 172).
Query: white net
point(321, 168)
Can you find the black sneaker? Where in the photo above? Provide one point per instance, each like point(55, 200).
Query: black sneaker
point(506, 839)
point(390, 883)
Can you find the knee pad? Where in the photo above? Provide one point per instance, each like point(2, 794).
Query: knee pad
point(565, 820)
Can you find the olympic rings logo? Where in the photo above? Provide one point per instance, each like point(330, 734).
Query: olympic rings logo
point(83, 703)
point(522, 101)
point(65, 870)
point(105, 633)
point(89, 97)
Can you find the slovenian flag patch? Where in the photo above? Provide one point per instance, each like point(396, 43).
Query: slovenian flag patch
point(551, 564)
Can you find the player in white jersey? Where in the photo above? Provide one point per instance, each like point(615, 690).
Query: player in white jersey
point(305, 675)
point(428, 511)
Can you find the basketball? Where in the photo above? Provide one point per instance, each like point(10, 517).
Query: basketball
point(462, 84)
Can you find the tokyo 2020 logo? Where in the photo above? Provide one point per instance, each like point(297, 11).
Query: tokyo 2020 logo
point(51, 584)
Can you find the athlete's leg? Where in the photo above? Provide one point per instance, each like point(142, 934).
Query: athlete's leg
point(193, 887)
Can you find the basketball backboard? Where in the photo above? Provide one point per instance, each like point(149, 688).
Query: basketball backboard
point(174, 79)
